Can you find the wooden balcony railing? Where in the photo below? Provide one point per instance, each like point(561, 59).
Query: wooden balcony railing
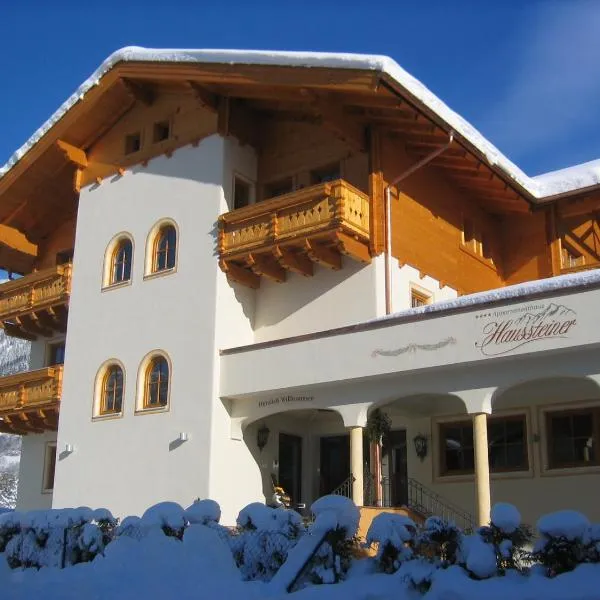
point(29, 402)
point(36, 304)
point(291, 232)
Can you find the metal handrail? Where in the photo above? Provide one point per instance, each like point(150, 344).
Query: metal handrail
point(422, 500)
point(345, 488)
point(429, 503)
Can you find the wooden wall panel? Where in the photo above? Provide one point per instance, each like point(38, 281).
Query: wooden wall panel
point(526, 247)
point(189, 123)
point(427, 221)
point(578, 229)
point(61, 239)
point(293, 149)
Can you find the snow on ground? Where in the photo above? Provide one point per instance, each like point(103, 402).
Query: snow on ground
point(577, 177)
point(200, 565)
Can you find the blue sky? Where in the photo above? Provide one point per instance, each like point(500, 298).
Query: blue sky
point(524, 72)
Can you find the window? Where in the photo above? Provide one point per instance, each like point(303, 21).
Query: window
point(133, 142)
point(161, 131)
point(457, 448)
point(573, 438)
point(121, 262)
point(278, 188)
point(324, 174)
point(156, 387)
point(507, 443)
point(49, 468)
point(165, 248)
point(418, 298)
point(241, 192)
point(56, 354)
point(111, 401)
point(507, 446)
point(64, 257)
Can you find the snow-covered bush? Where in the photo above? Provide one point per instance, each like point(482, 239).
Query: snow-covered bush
point(263, 539)
point(55, 538)
point(336, 522)
point(565, 541)
point(439, 540)
point(168, 516)
point(395, 536)
point(508, 537)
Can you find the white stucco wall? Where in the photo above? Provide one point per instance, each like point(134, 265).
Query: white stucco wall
point(31, 472)
point(406, 277)
point(130, 462)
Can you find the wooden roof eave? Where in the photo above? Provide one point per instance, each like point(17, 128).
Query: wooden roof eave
point(405, 95)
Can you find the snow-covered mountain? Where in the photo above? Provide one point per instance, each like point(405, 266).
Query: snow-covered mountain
point(14, 358)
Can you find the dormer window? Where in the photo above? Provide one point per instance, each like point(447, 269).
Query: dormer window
point(133, 142)
point(161, 131)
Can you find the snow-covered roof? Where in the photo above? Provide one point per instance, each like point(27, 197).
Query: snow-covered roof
point(541, 187)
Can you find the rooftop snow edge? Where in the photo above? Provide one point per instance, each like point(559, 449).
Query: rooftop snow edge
point(541, 187)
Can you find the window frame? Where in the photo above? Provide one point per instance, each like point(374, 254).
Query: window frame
point(51, 348)
point(109, 255)
point(119, 246)
point(50, 457)
point(441, 468)
point(420, 294)
point(550, 465)
point(251, 190)
point(103, 411)
point(142, 406)
point(152, 242)
point(98, 412)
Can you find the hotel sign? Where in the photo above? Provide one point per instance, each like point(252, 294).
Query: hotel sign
point(504, 331)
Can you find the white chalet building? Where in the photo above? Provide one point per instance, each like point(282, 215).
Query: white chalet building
point(229, 262)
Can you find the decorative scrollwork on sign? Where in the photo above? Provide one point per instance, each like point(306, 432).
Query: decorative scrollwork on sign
point(412, 348)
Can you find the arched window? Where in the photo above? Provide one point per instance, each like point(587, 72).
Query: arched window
point(156, 386)
point(165, 247)
point(121, 261)
point(111, 401)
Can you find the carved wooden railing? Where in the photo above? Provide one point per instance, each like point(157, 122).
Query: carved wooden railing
point(306, 212)
point(30, 390)
point(36, 303)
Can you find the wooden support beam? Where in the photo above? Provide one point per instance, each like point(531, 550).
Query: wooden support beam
point(293, 261)
point(140, 92)
point(73, 154)
point(376, 193)
point(353, 248)
point(240, 275)
point(327, 257)
point(341, 124)
point(206, 99)
point(15, 331)
point(223, 116)
point(266, 265)
point(31, 324)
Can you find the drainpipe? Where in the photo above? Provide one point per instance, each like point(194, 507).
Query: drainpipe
point(388, 216)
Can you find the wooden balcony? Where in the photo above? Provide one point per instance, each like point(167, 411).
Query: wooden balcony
point(292, 232)
point(29, 402)
point(36, 305)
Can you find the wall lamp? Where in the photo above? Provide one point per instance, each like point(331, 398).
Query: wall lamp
point(262, 437)
point(420, 442)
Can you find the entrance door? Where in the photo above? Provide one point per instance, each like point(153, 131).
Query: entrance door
point(334, 462)
point(398, 468)
point(290, 466)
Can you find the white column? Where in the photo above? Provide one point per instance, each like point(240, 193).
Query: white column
point(482, 468)
point(356, 464)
